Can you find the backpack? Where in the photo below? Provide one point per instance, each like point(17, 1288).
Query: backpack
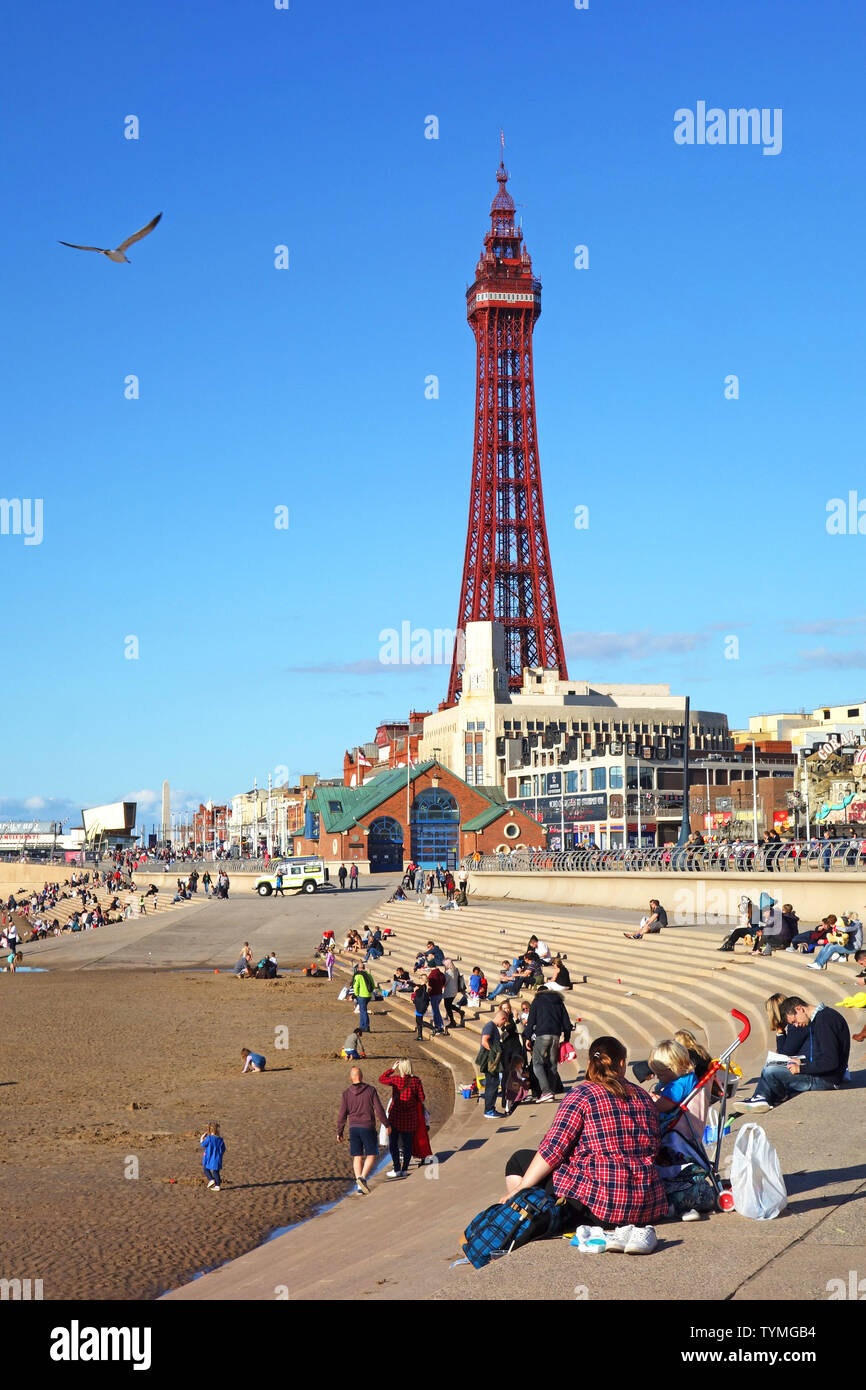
point(421, 999)
point(529, 1215)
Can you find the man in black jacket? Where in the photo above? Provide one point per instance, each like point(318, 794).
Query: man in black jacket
point(818, 1041)
point(548, 1020)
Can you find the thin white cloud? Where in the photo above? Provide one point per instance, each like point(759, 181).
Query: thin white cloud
point(826, 627)
point(638, 646)
point(822, 658)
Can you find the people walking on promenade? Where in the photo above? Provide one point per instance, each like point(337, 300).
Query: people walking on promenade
point(212, 1159)
point(421, 1003)
point(361, 1108)
point(548, 1021)
point(489, 1062)
point(342, 875)
point(353, 877)
point(405, 1113)
point(436, 989)
point(454, 989)
point(363, 988)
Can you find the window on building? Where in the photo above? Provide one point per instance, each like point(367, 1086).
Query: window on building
point(524, 786)
point(616, 779)
point(571, 781)
point(826, 714)
point(334, 807)
point(599, 779)
point(583, 779)
point(854, 713)
point(605, 728)
point(470, 727)
point(480, 724)
point(507, 724)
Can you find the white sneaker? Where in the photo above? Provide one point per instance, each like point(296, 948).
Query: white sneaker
point(211, 1183)
point(543, 1099)
point(216, 1187)
point(618, 1239)
point(691, 1215)
point(642, 1241)
point(757, 1106)
point(394, 1174)
point(814, 966)
point(791, 948)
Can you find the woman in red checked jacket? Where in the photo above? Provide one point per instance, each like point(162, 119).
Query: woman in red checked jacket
point(406, 1114)
point(599, 1152)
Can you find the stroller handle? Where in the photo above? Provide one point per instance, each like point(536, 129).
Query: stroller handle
point(747, 1027)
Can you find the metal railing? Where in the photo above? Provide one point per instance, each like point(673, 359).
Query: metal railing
point(802, 856)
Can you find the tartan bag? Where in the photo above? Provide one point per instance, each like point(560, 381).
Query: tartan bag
point(529, 1215)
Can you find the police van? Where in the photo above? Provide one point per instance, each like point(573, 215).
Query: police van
point(299, 876)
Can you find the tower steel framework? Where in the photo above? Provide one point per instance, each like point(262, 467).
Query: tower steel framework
point(507, 576)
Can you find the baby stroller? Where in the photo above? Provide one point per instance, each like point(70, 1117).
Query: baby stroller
point(688, 1136)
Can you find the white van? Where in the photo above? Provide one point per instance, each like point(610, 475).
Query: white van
point(299, 876)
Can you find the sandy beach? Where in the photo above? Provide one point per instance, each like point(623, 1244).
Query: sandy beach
point(111, 1073)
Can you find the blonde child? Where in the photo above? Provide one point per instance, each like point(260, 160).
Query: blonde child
point(701, 1059)
point(673, 1069)
point(212, 1159)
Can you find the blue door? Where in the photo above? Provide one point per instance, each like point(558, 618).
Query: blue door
point(385, 845)
point(435, 829)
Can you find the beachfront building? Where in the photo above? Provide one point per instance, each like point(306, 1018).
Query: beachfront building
point(395, 743)
point(425, 813)
point(804, 729)
point(628, 793)
point(493, 727)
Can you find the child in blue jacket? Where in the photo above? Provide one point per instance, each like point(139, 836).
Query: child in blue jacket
point(212, 1159)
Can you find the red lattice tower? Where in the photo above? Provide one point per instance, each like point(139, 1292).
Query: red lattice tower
point(507, 576)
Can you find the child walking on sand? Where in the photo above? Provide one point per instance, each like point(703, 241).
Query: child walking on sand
point(212, 1159)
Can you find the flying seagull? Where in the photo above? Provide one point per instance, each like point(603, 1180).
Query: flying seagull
point(117, 254)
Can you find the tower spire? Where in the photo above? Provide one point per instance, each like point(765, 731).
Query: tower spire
point(507, 575)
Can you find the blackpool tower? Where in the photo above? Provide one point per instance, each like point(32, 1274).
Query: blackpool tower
point(506, 571)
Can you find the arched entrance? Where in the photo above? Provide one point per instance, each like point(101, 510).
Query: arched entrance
point(385, 845)
point(435, 829)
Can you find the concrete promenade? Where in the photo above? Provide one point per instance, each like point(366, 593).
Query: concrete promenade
point(400, 1242)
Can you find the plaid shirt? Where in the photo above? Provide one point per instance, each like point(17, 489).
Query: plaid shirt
point(407, 1094)
point(601, 1150)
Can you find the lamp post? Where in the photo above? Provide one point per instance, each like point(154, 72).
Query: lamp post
point(755, 792)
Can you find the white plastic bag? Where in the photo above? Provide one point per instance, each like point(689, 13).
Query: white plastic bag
point(756, 1176)
point(383, 1137)
point(343, 992)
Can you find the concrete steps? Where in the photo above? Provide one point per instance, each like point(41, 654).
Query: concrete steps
point(638, 991)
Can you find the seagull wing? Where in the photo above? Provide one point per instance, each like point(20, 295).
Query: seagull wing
point(76, 247)
point(138, 235)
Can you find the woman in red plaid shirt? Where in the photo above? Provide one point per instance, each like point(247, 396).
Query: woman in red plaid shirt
point(599, 1152)
point(405, 1115)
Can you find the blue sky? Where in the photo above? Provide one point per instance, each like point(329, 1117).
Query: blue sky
point(259, 388)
